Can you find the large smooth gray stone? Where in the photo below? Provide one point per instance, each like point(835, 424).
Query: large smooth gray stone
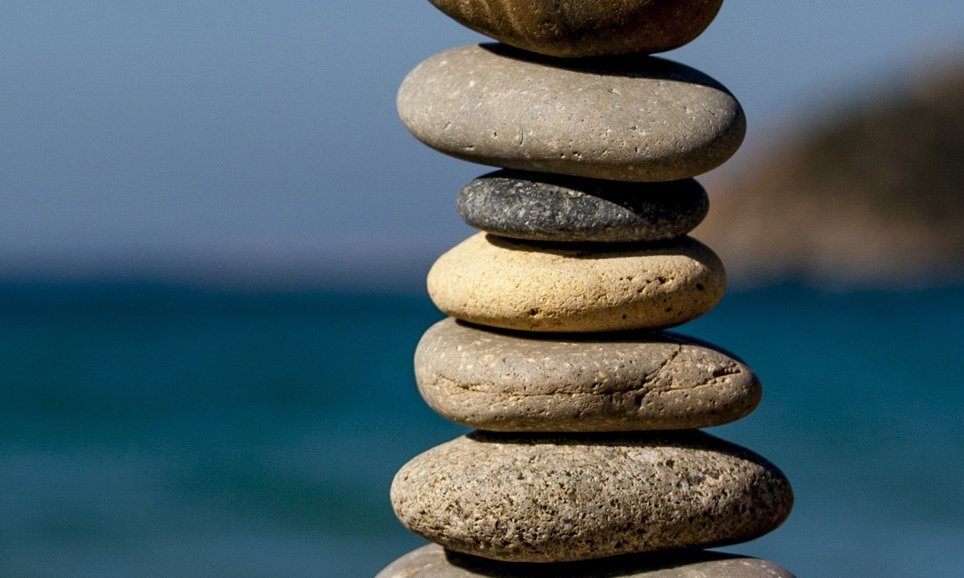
point(433, 561)
point(520, 381)
point(621, 118)
point(545, 207)
point(586, 27)
point(549, 498)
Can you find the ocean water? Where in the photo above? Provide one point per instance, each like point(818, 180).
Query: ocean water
point(151, 431)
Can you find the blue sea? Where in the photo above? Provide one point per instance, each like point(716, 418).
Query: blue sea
point(162, 431)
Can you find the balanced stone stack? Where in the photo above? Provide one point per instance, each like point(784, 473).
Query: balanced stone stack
point(586, 459)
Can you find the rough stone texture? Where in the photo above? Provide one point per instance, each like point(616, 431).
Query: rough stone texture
point(551, 287)
point(433, 561)
point(586, 27)
point(624, 118)
point(503, 381)
point(544, 207)
point(532, 498)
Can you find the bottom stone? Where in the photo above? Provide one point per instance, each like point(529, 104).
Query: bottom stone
point(433, 561)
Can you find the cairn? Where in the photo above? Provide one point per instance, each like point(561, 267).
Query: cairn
point(586, 459)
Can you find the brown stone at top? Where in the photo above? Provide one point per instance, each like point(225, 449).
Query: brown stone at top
point(586, 27)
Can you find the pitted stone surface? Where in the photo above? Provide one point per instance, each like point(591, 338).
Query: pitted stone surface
point(532, 498)
point(554, 287)
point(433, 561)
point(514, 381)
point(586, 27)
point(623, 118)
point(545, 207)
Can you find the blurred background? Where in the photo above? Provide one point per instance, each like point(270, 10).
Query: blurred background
point(214, 234)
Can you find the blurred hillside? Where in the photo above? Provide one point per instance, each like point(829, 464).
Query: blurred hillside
point(872, 195)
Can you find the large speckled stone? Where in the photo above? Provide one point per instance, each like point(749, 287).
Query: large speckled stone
point(532, 498)
point(502, 381)
point(625, 118)
point(544, 207)
point(542, 287)
point(433, 561)
point(586, 27)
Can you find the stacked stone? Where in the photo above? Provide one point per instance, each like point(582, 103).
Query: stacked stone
point(587, 459)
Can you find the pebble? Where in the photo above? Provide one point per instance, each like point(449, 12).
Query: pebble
point(528, 286)
point(545, 207)
point(625, 118)
point(508, 381)
point(433, 561)
point(531, 498)
point(586, 27)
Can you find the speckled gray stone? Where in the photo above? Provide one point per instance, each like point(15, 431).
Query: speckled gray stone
point(586, 27)
point(549, 498)
point(545, 207)
point(520, 381)
point(433, 561)
point(557, 287)
point(622, 118)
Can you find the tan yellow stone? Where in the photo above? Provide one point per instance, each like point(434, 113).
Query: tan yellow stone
point(543, 287)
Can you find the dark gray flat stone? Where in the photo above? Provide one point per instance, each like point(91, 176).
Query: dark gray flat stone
point(433, 561)
point(545, 207)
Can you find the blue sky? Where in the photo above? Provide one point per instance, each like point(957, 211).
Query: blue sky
point(257, 142)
